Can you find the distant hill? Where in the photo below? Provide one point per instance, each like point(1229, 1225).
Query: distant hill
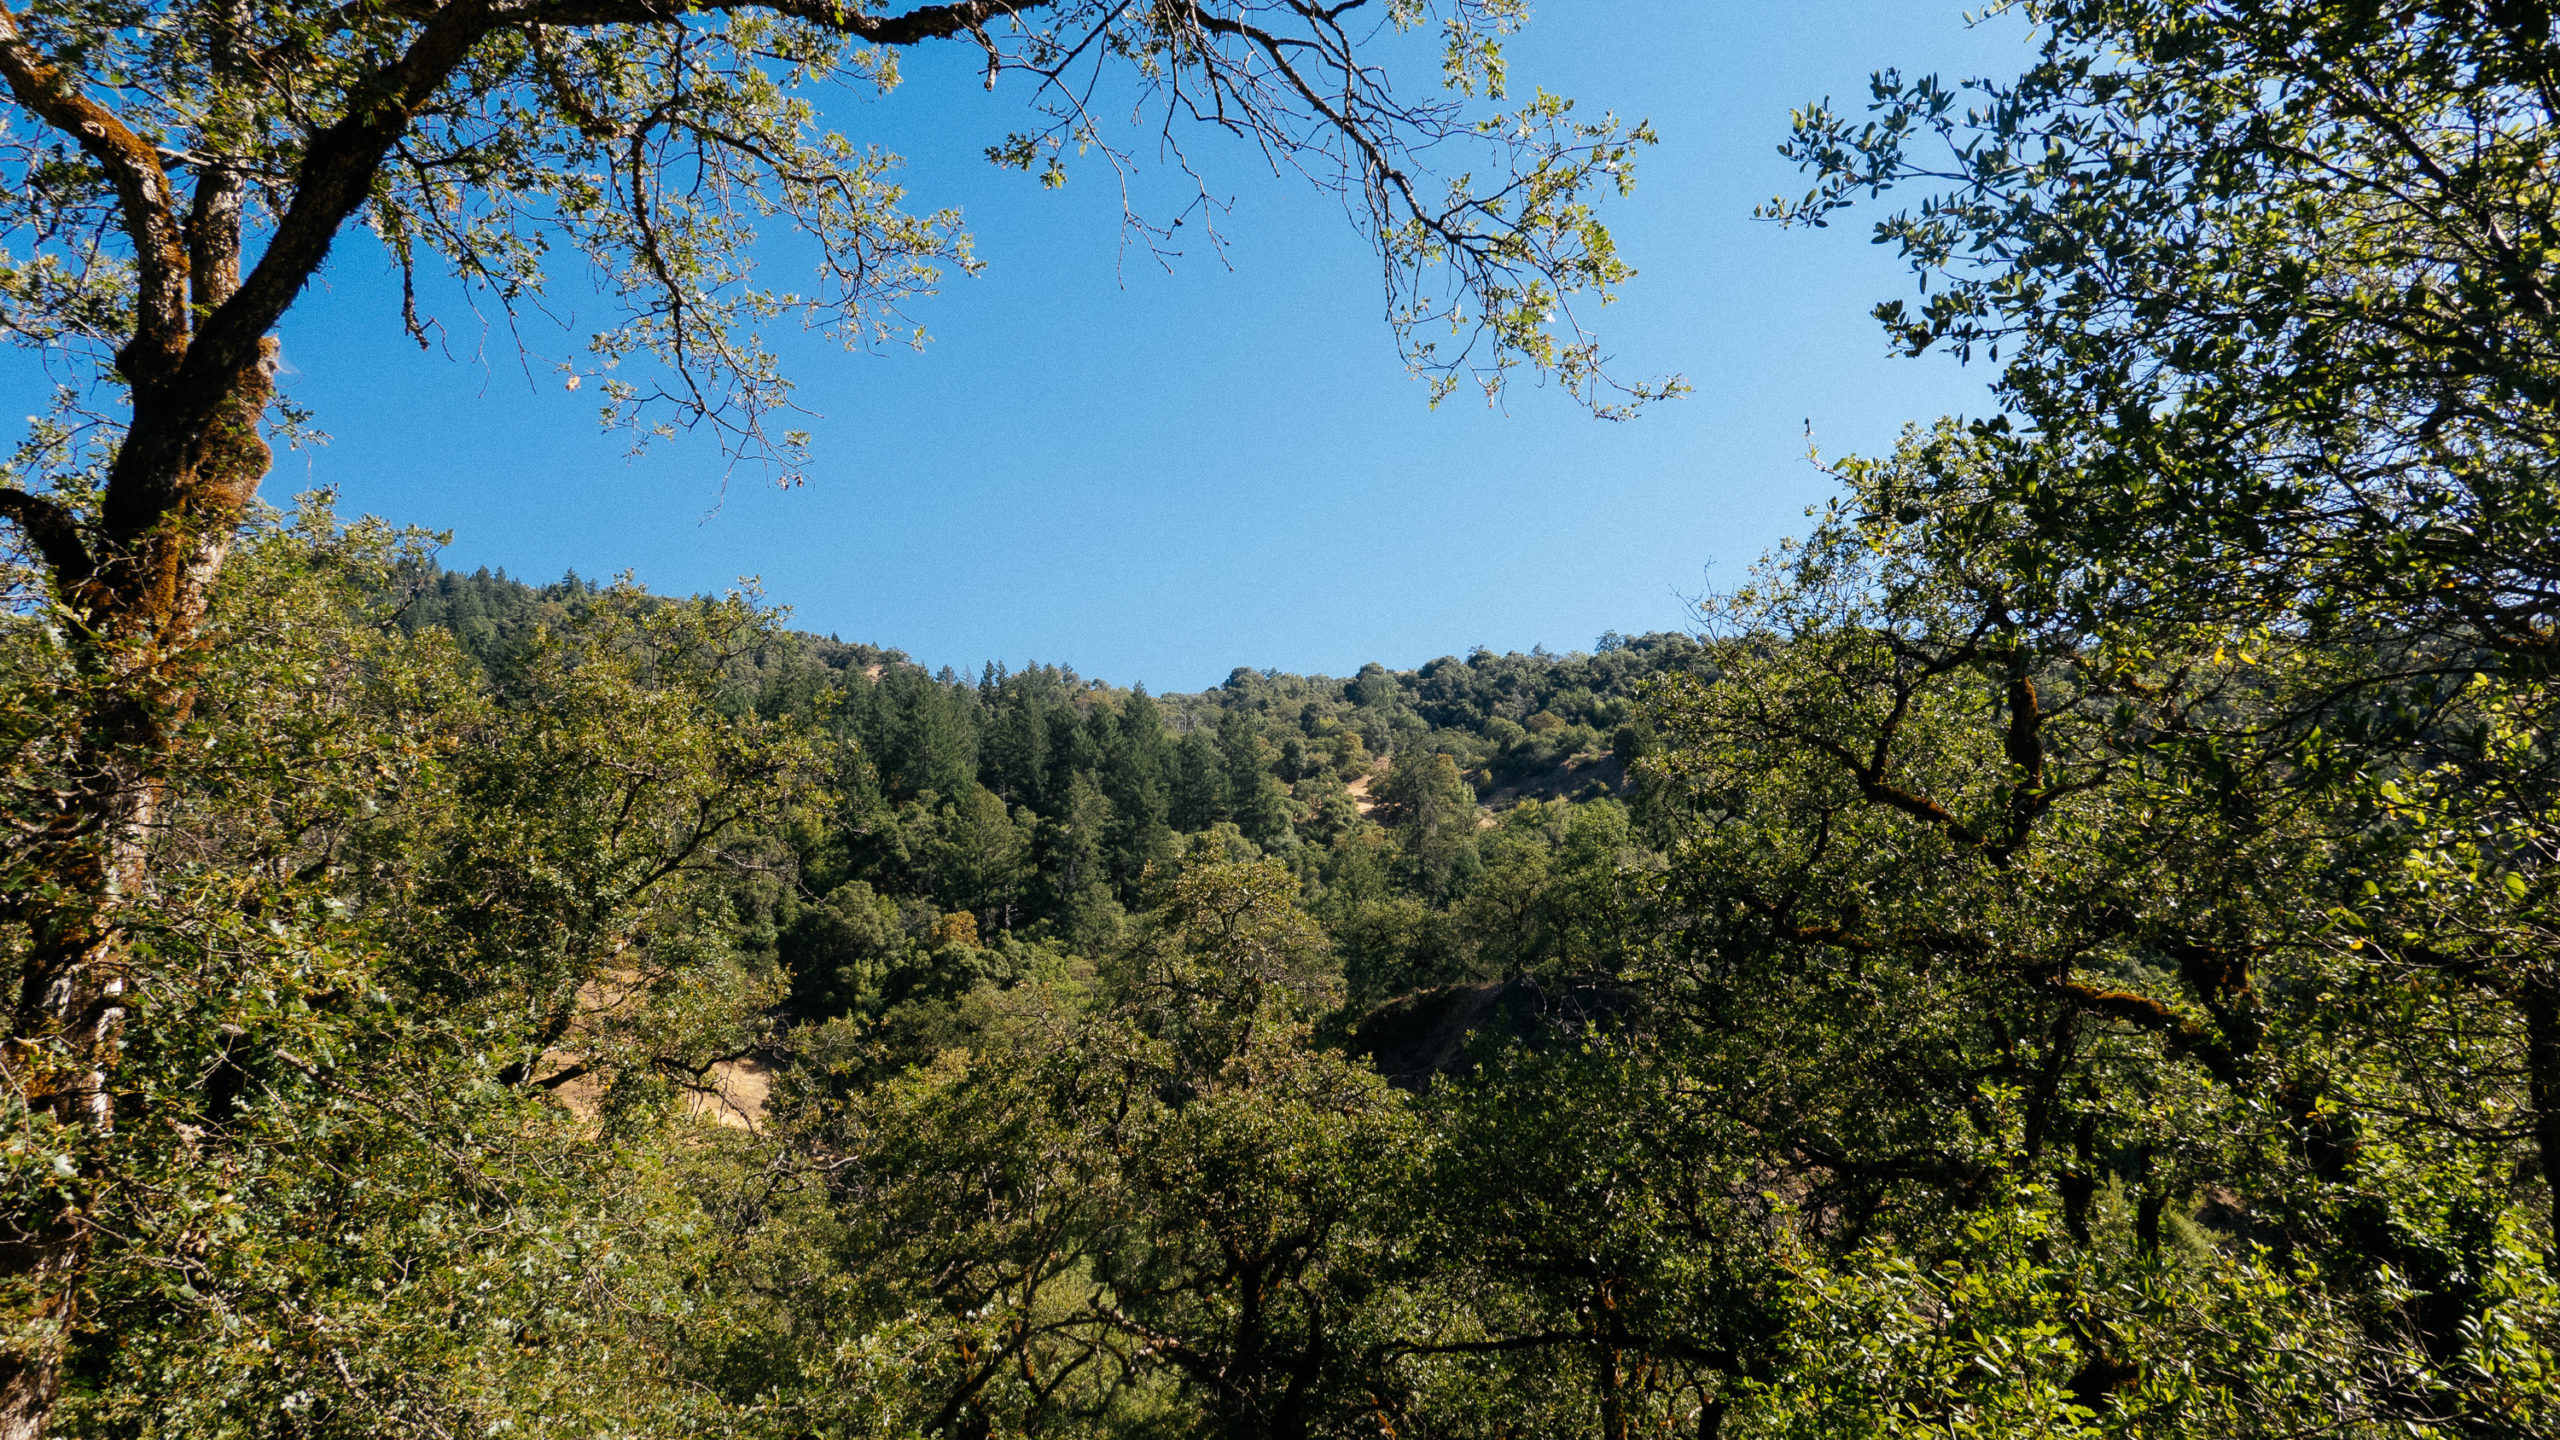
point(1517, 725)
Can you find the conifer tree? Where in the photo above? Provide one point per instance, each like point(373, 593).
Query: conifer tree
point(1200, 787)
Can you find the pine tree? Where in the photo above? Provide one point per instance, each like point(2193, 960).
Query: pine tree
point(1432, 810)
point(1200, 790)
point(1075, 866)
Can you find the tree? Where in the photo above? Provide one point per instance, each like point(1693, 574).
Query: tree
point(1259, 802)
point(2158, 771)
point(2276, 339)
point(1199, 782)
point(1165, 1214)
point(839, 952)
point(1989, 922)
point(1241, 745)
point(399, 909)
point(180, 173)
point(917, 734)
point(2280, 357)
point(1013, 754)
point(1075, 860)
point(1372, 689)
point(1432, 810)
point(979, 856)
point(1586, 1250)
point(1550, 895)
point(1136, 757)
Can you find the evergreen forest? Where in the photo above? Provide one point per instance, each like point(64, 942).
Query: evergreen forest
point(2067, 946)
point(1035, 807)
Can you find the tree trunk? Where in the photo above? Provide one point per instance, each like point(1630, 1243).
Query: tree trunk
point(1610, 1355)
point(2542, 1086)
point(174, 502)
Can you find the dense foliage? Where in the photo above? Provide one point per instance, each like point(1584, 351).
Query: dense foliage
point(2066, 950)
point(1035, 807)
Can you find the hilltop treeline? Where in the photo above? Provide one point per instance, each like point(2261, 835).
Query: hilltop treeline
point(1047, 807)
point(1502, 718)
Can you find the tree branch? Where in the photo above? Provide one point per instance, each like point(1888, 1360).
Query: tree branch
point(1871, 784)
point(148, 206)
point(2024, 742)
point(50, 529)
point(335, 178)
point(1496, 1347)
point(213, 222)
point(925, 22)
point(2185, 1036)
point(338, 170)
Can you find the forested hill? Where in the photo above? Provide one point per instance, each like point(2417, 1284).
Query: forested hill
point(1508, 720)
point(1535, 724)
point(1041, 804)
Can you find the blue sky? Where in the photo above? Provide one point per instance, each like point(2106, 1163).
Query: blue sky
point(1157, 477)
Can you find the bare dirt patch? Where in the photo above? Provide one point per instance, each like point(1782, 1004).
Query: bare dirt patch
point(731, 1092)
point(1361, 799)
point(734, 1093)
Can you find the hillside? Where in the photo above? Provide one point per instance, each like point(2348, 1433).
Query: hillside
point(1035, 807)
point(1515, 724)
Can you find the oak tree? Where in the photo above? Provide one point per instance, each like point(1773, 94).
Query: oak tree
point(2270, 290)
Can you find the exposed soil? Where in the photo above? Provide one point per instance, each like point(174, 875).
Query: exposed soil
point(1570, 778)
point(731, 1093)
point(1361, 799)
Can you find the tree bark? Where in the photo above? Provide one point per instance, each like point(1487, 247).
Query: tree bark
point(135, 582)
point(2542, 1085)
point(138, 610)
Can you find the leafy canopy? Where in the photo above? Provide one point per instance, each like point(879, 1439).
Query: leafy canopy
point(657, 152)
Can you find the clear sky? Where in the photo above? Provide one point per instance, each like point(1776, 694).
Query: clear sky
point(1157, 477)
